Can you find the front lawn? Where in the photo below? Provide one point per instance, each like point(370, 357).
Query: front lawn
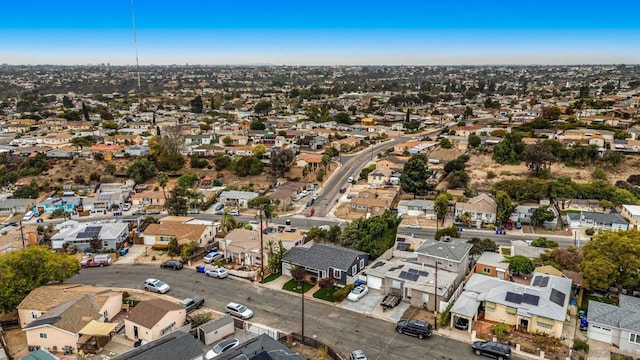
point(325, 294)
point(272, 277)
point(292, 285)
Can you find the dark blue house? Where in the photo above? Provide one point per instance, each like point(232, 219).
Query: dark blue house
point(325, 260)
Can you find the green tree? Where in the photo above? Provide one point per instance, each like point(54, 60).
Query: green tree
point(537, 157)
point(257, 124)
point(446, 233)
point(446, 143)
point(520, 264)
point(187, 180)
point(562, 258)
point(414, 176)
point(374, 235)
point(343, 118)
point(474, 141)
point(80, 142)
point(178, 202)
point(504, 206)
point(196, 105)
point(66, 102)
point(364, 174)
point(509, 150)
point(221, 161)
point(612, 259)
point(599, 174)
point(141, 170)
point(275, 253)
point(331, 152)
point(227, 141)
point(482, 245)
point(247, 166)
point(259, 150)
point(441, 206)
point(173, 249)
point(85, 112)
point(542, 214)
point(320, 175)
point(28, 192)
point(196, 162)
point(24, 270)
point(281, 160)
point(163, 179)
point(263, 107)
point(543, 242)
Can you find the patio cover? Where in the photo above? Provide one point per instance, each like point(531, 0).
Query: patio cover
point(96, 328)
point(466, 306)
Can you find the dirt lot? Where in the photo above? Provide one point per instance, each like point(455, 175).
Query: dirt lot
point(16, 342)
point(479, 165)
point(148, 257)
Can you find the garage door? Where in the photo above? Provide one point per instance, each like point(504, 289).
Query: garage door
point(285, 268)
point(599, 333)
point(374, 282)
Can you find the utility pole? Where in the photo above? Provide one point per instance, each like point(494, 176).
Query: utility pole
point(436, 298)
point(261, 248)
point(22, 234)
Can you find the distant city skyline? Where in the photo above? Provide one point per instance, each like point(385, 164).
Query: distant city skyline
point(330, 32)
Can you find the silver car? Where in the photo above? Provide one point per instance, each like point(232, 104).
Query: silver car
point(219, 273)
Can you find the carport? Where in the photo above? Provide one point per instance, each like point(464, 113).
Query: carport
point(465, 307)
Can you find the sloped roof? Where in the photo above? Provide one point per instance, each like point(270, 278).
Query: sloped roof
point(147, 313)
point(261, 347)
point(175, 345)
point(625, 316)
point(179, 231)
point(492, 259)
point(453, 250)
point(71, 316)
point(600, 218)
point(48, 297)
point(323, 256)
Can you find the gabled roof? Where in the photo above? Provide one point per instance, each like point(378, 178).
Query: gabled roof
point(261, 347)
point(190, 232)
point(454, 250)
point(71, 316)
point(323, 256)
point(625, 316)
point(600, 218)
point(175, 345)
point(147, 313)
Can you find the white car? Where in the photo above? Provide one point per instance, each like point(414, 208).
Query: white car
point(234, 213)
point(358, 292)
point(315, 196)
point(413, 226)
point(212, 257)
point(157, 286)
point(221, 347)
point(219, 273)
point(350, 180)
point(238, 310)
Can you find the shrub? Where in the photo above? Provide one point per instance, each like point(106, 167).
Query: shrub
point(590, 231)
point(491, 175)
point(581, 345)
point(446, 316)
point(342, 293)
point(153, 258)
point(499, 330)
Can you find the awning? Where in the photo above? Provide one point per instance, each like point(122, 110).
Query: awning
point(96, 328)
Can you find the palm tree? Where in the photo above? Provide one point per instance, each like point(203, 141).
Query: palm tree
point(163, 179)
point(228, 222)
point(298, 273)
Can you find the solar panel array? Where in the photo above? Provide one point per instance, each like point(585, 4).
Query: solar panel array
point(89, 232)
point(557, 297)
point(403, 246)
point(531, 299)
point(541, 281)
point(513, 297)
point(409, 276)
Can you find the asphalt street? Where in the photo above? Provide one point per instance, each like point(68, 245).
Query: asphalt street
point(344, 330)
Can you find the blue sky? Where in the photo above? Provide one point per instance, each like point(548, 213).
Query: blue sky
point(325, 32)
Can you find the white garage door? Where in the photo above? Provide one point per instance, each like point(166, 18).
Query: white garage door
point(374, 282)
point(285, 268)
point(599, 333)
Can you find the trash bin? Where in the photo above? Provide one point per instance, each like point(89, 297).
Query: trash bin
point(200, 269)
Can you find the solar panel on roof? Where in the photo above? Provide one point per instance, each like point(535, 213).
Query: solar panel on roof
point(536, 281)
point(544, 282)
point(415, 271)
point(513, 297)
point(403, 246)
point(423, 273)
point(414, 277)
point(403, 275)
point(400, 239)
point(531, 299)
point(557, 297)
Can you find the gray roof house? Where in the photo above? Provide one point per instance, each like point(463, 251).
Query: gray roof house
point(80, 235)
point(417, 207)
point(450, 256)
point(597, 221)
point(175, 345)
point(16, 205)
point(261, 347)
point(325, 260)
point(237, 198)
point(540, 306)
point(619, 325)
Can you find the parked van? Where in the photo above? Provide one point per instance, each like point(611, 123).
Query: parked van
point(28, 216)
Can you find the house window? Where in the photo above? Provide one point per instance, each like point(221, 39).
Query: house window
point(354, 269)
point(544, 323)
point(439, 261)
point(34, 314)
point(167, 328)
point(511, 310)
point(43, 335)
point(634, 338)
point(105, 244)
point(336, 274)
point(486, 270)
point(490, 306)
point(361, 263)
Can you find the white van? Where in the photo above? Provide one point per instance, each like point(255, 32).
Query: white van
point(28, 216)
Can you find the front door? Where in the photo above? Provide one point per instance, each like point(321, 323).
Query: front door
point(524, 325)
point(135, 332)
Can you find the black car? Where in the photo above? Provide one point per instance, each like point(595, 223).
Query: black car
point(418, 328)
point(461, 323)
point(492, 349)
point(171, 264)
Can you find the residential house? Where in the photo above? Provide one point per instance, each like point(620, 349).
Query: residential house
point(412, 282)
point(616, 325)
point(482, 209)
point(492, 264)
point(290, 238)
point(262, 347)
point(103, 202)
point(346, 144)
point(151, 319)
point(111, 235)
point(382, 178)
point(161, 234)
point(405, 146)
point(149, 198)
point(242, 247)
point(105, 149)
point(632, 214)
point(393, 163)
point(175, 345)
point(325, 260)
point(237, 198)
point(60, 154)
point(8, 206)
point(370, 206)
point(65, 203)
point(40, 354)
point(440, 157)
point(540, 307)
point(417, 208)
point(451, 256)
point(56, 140)
point(597, 221)
point(312, 160)
point(137, 150)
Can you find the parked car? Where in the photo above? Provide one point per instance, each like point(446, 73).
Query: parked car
point(193, 212)
point(413, 226)
point(219, 273)
point(238, 310)
point(126, 206)
point(309, 212)
point(98, 260)
point(343, 190)
point(171, 264)
point(358, 292)
point(192, 303)
point(357, 355)
point(492, 349)
point(310, 202)
point(315, 196)
point(221, 347)
point(156, 285)
point(461, 323)
point(350, 179)
point(139, 212)
point(212, 257)
point(234, 213)
point(418, 328)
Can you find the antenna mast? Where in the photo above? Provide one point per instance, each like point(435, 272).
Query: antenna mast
point(135, 44)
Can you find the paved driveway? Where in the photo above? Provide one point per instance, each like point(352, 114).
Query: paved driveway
point(365, 305)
